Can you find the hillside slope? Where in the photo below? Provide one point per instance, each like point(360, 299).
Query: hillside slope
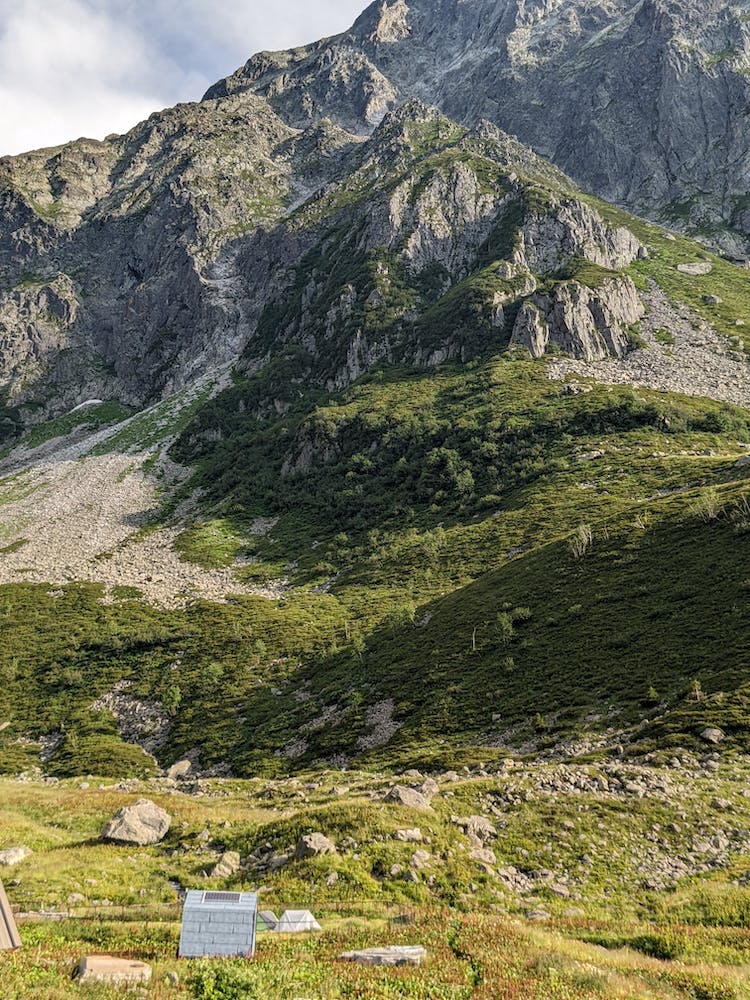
point(472, 427)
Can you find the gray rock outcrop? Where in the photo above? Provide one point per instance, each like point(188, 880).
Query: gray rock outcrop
point(624, 78)
point(142, 824)
point(569, 229)
point(583, 322)
point(313, 845)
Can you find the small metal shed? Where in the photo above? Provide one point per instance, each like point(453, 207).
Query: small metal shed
point(9, 937)
point(218, 924)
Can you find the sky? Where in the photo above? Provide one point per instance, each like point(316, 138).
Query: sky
point(72, 68)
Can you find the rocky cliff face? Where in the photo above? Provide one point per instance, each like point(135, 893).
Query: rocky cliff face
point(585, 323)
point(641, 101)
point(147, 236)
point(295, 208)
point(218, 230)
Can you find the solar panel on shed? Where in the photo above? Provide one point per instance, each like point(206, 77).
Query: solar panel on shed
point(218, 924)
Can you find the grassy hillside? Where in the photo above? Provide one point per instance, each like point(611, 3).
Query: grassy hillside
point(562, 913)
point(431, 536)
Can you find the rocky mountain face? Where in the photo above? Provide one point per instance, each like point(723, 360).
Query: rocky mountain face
point(123, 255)
point(129, 266)
point(642, 101)
point(217, 230)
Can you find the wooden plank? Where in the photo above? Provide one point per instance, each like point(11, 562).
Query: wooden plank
point(9, 936)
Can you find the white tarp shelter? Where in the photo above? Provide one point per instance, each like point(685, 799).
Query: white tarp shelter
point(297, 922)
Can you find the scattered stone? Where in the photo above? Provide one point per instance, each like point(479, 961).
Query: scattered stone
point(713, 736)
point(419, 859)
point(332, 879)
point(557, 889)
point(696, 269)
point(180, 770)
point(712, 300)
point(141, 824)
point(172, 978)
point(76, 897)
point(700, 361)
point(408, 797)
point(537, 916)
point(391, 955)
point(114, 971)
point(313, 845)
point(409, 836)
point(742, 463)
point(278, 861)
point(14, 856)
point(722, 805)
point(483, 855)
point(478, 826)
point(429, 788)
point(227, 865)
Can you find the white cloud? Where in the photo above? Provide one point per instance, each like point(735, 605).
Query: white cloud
point(91, 67)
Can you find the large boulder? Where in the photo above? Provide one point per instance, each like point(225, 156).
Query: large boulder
point(478, 826)
point(390, 955)
point(696, 269)
point(409, 797)
point(180, 770)
point(312, 845)
point(227, 865)
point(113, 971)
point(142, 823)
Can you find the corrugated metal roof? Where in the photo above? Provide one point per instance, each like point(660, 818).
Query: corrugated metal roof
point(9, 937)
point(218, 924)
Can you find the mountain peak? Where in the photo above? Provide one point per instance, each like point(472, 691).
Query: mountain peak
point(392, 21)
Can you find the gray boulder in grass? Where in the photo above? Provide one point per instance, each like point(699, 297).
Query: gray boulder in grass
point(142, 823)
